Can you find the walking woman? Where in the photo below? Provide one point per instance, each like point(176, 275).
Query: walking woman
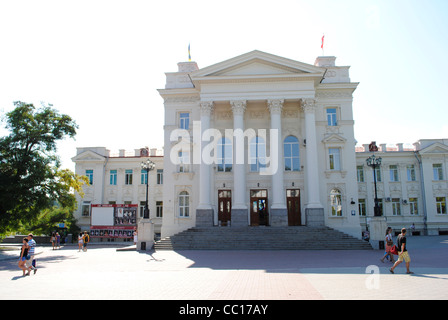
point(24, 256)
point(53, 239)
point(389, 244)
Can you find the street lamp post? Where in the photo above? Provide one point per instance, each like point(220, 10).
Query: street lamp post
point(148, 166)
point(375, 162)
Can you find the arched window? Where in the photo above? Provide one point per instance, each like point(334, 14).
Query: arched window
point(257, 153)
point(184, 204)
point(336, 203)
point(291, 153)
point(224, 155)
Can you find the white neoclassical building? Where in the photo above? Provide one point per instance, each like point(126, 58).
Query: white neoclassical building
point(260, 140)
point(280, 150)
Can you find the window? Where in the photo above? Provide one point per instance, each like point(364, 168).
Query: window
point(89, 175)
point(144, 177)
point(184, 161)
point(257, 154)
point(128, 177)
point(142, 208)
point(331, 117)
point(159, 176)
point(184, 120)
point(291, 153)
point(159, 209)
point(184, 204)
point(335, 158)
point(113, 177)
point(362, 207)
point(413, 206)
point(378, 174)
point(336, 203)
point(441, 205)
point(224, 155)
point(360, 173)
point(410, 169)
point(393, 170)
point(85, 209)
point(438, 172)
point(380, 205)
point(396, 207)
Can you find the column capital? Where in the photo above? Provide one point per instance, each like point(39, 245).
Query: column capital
point(238, 106)
point(206, 107)
point(308, 105)
point(275, 106)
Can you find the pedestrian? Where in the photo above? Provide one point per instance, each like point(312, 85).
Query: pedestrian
point(53, 239)
point(80, 241)
point(389, 244)
point(412, 229)
point(58, 240)
point(85, 241)
point(31, 263)
point(135, 235)
point(24, 256)
point(402, 252)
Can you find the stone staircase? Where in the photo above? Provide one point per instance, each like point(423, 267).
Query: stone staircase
point(261, 238)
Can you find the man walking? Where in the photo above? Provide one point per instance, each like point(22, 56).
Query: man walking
point(402, 252)
point(31, 262)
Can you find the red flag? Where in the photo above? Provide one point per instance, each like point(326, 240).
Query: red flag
point(322, 46)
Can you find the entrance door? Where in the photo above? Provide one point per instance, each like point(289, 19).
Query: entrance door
point(224, 206)
point(293, 205)
point(259, 215)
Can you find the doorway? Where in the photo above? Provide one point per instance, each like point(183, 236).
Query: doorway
point(259, 215)
point(293, 205)
point(224, 207)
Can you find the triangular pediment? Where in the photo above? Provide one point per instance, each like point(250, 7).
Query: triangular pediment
point(435, 148)
point(257, 63)
point(88, 156)
point(334, 139)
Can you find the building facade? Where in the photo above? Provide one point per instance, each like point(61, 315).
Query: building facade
point(119, 180)
point(264, 141)
point(259, 140)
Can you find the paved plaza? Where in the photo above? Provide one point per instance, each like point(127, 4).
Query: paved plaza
point(105, 273)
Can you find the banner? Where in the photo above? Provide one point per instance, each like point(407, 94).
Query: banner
point(113, 220)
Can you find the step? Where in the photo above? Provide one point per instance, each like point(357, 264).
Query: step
point(261, 238)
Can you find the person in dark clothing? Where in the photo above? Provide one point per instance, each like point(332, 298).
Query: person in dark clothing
point(402, 252)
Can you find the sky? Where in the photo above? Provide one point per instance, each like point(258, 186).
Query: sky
point(102, 61)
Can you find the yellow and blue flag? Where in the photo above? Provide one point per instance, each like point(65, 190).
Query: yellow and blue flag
point(189, 55)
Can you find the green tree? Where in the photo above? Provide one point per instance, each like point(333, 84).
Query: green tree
point(31, 179)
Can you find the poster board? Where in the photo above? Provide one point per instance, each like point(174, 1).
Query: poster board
point(113, 220)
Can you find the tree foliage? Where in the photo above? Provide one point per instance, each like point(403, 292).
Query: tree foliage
point(31, 179)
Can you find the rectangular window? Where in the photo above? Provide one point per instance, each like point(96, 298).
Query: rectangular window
point(396, 207)
point(393, 170)
point(410, 169)
point(159, 209)
point(144, 177)
point(335, 159)
point(441, 205)
point(159, 176)
point(438, 172)
point(362, 207)
point(128, 177)
point(378, 174)
point(184, 120)
point(413, 206)
point(85, 209)
point(331, 117)
point(184, 161)
point(360, 173)
point(113, 177)
point(142, 208)
point(89, 175)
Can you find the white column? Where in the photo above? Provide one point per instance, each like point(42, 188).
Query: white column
point(311, 170)
point(206, 108)
point(239, 168)
point(276, 154)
